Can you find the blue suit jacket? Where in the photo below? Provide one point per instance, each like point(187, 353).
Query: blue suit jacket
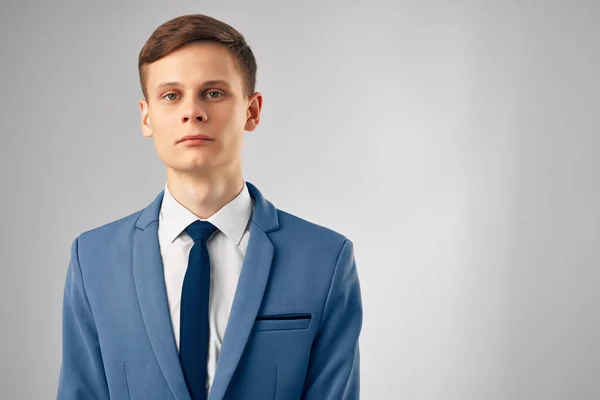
point(292, 332)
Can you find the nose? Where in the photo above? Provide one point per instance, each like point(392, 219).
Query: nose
point(193, 110)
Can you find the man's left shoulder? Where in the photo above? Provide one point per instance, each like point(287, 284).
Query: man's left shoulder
point(309, 232)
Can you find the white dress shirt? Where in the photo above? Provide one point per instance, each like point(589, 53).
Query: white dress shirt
point(226, 249)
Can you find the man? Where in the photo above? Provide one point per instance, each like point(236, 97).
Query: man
point(209, 292)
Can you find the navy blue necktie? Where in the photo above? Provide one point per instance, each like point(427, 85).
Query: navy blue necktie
point(194, 324)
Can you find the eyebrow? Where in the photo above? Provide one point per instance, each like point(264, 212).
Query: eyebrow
point(206, 83)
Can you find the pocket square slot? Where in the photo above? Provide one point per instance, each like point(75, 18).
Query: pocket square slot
point(281, 317)
point(281, 325)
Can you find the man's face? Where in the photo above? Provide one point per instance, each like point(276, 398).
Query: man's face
point(181, 103)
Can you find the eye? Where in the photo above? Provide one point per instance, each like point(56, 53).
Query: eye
point(214, 91)
point(169, 94)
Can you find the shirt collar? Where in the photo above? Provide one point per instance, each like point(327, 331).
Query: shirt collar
point(231, 219)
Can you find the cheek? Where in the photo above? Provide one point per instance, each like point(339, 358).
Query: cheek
point(160, 140)
point(164, 142)
point(229, 126)
point(234, 115)
point(163, 131)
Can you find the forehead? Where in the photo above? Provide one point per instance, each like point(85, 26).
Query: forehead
point(193, 64)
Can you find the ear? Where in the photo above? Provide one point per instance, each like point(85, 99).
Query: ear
point(146, 127)
point(253, 112)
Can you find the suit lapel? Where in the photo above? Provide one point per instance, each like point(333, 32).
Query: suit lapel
point(151, 290)
point(152, 295)
point(246, 302)
point(249, 292)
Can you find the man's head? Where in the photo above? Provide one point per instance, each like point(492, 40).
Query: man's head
point(198, 76)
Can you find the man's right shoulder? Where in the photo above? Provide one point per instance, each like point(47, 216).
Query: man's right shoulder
point(119, 231)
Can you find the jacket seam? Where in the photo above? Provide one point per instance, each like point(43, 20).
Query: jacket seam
point(331, 284)
point(87, 301)
point(97, 336)
point(126, 380)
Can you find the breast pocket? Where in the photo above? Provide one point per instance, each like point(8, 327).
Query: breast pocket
point(281, 322)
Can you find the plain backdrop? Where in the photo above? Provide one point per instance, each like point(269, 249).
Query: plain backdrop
point(455, 143)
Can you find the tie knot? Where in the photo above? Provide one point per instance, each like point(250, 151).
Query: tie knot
point(200, 230)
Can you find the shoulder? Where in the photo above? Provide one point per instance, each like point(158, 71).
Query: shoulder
point(113, 234)
point(305, 232)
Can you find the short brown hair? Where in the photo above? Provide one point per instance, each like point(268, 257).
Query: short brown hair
point(185, 29)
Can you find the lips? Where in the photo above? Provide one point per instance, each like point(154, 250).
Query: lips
point(190, 137)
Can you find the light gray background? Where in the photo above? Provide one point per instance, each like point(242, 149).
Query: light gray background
point(456, 144)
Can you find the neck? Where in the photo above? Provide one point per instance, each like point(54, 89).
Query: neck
point(205, 194)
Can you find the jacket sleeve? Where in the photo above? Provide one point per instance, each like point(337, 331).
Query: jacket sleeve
point(82, 372)
point(334, 365)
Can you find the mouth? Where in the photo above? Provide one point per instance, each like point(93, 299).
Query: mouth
point(195, 142)
point(196, 139)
